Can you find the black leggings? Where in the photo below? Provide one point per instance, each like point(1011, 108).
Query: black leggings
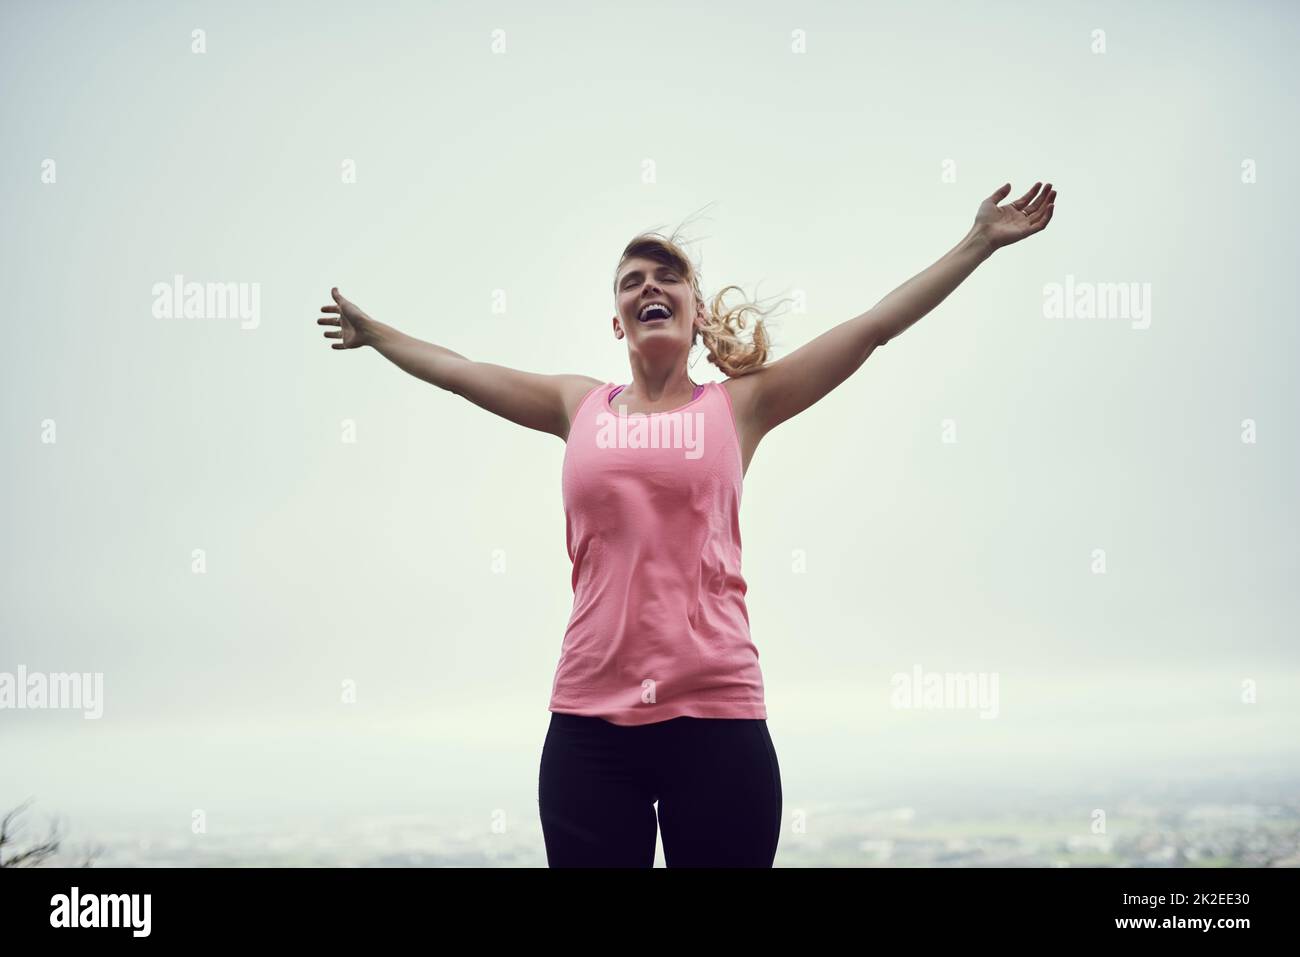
point(717, 782)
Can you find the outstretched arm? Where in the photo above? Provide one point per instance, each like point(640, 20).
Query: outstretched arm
point(788, 386)
point(542, 402)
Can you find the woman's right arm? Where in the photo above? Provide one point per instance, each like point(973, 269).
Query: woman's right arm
point(542, 402)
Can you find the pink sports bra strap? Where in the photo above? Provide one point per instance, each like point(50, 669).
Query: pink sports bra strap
point(696, 395)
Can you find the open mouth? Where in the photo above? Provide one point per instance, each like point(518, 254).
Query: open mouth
point(655, 312)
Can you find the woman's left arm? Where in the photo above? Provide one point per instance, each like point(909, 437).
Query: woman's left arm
point(788, 386)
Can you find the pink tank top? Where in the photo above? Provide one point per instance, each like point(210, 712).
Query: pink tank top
point(659, 627)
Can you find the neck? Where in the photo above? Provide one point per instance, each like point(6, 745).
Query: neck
point(652, 384)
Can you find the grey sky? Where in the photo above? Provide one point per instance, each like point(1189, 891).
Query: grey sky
point(523, 173)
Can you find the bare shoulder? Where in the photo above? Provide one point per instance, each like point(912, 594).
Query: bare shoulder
point(573, 388)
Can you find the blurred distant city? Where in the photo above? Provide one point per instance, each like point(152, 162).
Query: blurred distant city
point(1133, 831)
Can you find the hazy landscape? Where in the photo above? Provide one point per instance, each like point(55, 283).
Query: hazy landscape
point(1204, 827)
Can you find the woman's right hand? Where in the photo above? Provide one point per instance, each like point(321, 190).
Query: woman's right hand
point(356, 329)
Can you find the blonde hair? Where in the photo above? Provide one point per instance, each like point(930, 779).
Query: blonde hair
point(722, 324)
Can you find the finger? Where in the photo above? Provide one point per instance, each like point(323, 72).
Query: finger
point(334, 335)
point(1000, 193)
point(329, 308)
point(338, 296)
point(1043, 216)
point(338, 345)
point(328, 321)
point(1042, 198)
point(1036, 210)
point(1023, 201)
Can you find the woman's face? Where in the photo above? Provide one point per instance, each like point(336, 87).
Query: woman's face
point(644, 281)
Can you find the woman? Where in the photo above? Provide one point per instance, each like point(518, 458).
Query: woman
point(658, 696)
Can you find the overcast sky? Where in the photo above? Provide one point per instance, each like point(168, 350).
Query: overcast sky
point(506, 155)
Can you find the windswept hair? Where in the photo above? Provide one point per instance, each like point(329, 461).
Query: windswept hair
point(723, 324)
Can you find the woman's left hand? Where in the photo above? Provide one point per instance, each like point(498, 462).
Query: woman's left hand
point(1004, 225)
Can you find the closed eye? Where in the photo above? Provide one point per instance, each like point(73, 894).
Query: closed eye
point(631, 280)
